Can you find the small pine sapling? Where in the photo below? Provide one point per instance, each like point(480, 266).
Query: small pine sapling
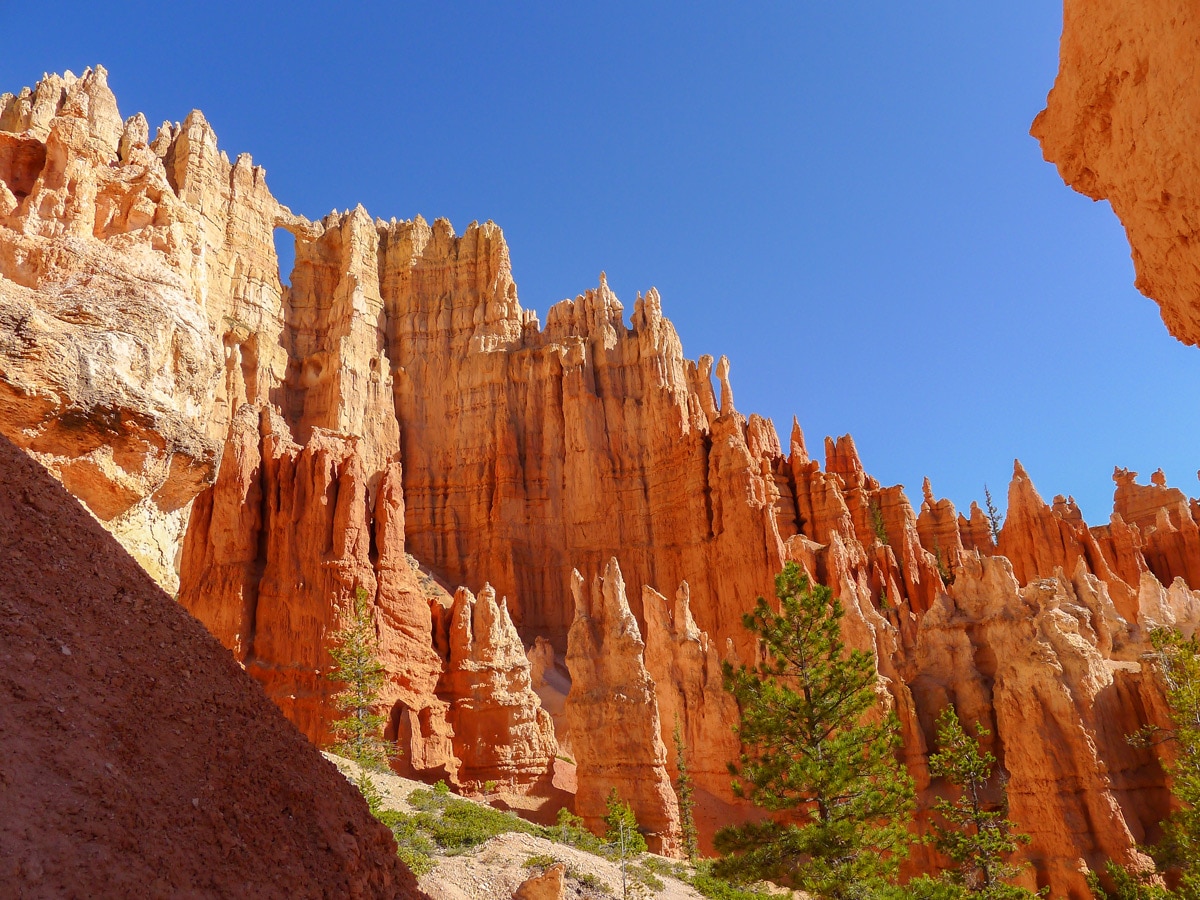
point(995, 520)
point(977, 839)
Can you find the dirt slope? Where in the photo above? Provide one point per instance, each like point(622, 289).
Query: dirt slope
point(136, 758)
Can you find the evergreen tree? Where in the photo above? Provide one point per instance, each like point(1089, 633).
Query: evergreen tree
point(359, 732)
point(621, 826)
point(809, 750)
point(979, 840)
point(995, 520)
point(1178, 660)
point(685, 793)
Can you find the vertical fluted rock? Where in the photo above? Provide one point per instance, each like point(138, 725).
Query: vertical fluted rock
point(686, 669)
point(501, 732)
point(612, 713)
point(279, 543)
point(339, 377)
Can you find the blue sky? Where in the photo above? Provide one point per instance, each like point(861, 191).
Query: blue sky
point(841, 197)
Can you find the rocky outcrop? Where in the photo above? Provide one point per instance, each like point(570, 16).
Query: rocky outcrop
point(138, 759)
point(279, 545)
point(548, 885)
point(686, 670)
point(1120, 125)
point(140, 304)
point(501, 732)
point(397, 399)
point(612, 714)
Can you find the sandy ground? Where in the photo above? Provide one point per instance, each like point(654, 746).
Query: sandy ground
point(497, 868)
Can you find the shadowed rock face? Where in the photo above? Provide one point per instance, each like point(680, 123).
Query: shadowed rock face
point(398, 399)
point(1120, 125)
point(137, 758)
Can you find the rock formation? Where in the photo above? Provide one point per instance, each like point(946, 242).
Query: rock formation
point(501, 731)
point(279, 544)
point(548, 885)
point(1120, 124)
point(136, 758)
point(397, 399)
point(612, 714)
point(686, 670)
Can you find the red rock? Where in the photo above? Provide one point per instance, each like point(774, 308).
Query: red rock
point(527, 453)
point(1119, 124)
point(612, 714)
point(501, 732)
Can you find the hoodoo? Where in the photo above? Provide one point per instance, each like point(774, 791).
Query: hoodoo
point(395, 420)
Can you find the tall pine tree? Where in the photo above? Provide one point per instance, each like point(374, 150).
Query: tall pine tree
point(1177, 660)
point(810, 750)
point(359, 732)
point(685, 793)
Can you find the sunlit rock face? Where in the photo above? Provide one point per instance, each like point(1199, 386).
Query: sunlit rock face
point(613, 716)
point(1120, 125)
point(394, 420)
point(501, 731)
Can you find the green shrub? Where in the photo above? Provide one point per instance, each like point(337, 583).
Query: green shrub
point(413, 846)
point(459, 825)
point(570, 831)
point(591, 882)
point(645, 876)
point(540, 861)
point(708, 884)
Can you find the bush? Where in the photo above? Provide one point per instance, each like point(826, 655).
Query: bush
point(413, 846)
point(708, 884)
point(460, 825)
point(570, 831)
point(591, 882)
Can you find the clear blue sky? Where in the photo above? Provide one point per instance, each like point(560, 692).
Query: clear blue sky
point(843, 197)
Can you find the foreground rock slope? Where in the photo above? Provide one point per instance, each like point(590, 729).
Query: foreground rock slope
point(395, 420)
point(136, 758)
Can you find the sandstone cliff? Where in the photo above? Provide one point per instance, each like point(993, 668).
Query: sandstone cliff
point(1120, 124)
point(612, 714)
point(500, 729)
point(397, 399)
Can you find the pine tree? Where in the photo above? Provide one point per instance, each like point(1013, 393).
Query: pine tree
point(1178, 660)
point(978, 840)
point(685, 793)
point(809, 750)
point(359, 732)
point(621, 826)
point(993, 515)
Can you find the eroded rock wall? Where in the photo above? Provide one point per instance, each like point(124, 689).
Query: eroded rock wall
point(139, 760)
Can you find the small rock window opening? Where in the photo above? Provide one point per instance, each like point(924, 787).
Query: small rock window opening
point(285, 249)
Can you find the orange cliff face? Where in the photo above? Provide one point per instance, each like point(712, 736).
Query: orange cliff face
point(1120, 125)
point(396, 399)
